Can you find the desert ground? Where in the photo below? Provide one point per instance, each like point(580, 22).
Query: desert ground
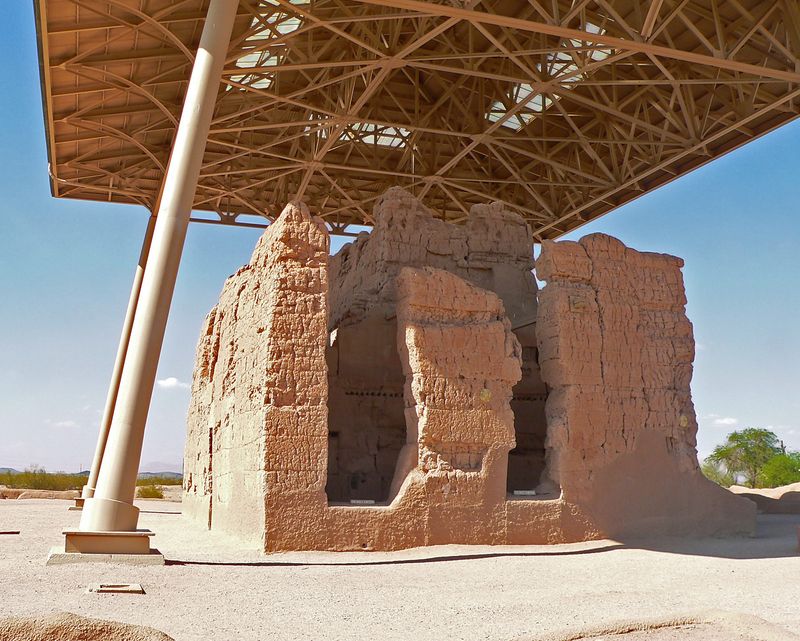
point(211, 588)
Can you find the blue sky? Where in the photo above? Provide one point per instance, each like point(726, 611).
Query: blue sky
point(66, 269)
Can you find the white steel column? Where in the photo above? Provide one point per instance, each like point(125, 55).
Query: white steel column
point(116, 375)
point(111, 509)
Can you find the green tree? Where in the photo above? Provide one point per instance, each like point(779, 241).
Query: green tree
point(718, 473)
point(782, 469)
point(746, 452)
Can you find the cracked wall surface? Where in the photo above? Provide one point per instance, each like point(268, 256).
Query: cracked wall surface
point(616, 350)
point(434, 351)
point(258, 416)
point(493, 250)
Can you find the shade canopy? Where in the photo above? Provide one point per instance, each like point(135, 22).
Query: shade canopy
point(563, 109)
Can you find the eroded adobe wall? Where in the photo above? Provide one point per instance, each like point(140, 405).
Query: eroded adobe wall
point(223, 475)
point(616, 349)
point(201, 426)
point(493, 250)
point(256, 450)
point(460, 362)
point(257, 426)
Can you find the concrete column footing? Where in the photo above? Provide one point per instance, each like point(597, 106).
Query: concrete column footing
point(132, 548)
point(98, 542)
point(57, 556)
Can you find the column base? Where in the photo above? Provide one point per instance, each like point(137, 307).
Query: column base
point(97, 542)
point(108, 515)
point(57, 556)
point(110, 547)
point(78, 505)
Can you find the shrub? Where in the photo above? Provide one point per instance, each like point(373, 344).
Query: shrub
point(35, 478)
point(782, 469)
point(160, 480)
point(149, 492)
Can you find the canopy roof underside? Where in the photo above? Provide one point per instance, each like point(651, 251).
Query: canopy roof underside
point(563, 109)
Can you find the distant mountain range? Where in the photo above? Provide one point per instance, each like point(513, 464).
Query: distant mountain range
point(142, 475)
point(160, 468)
point(164, 475)
point(11, 470)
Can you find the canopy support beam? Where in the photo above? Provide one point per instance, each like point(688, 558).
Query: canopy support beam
point(111, 509)
point(116, 375)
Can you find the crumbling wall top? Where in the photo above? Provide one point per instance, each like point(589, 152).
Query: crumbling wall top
point(406, 233)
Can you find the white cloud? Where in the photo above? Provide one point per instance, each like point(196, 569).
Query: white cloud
point(700, 347)
point(172, 383)
point(68, 424)
point(726, 420)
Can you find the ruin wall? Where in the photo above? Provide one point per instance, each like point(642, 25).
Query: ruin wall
point(259, 395)
point(492, 250)
point(616, 350)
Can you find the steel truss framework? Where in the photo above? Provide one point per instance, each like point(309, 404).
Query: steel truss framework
point(564, 109)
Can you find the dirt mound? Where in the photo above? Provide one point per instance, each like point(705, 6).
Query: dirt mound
point(71, 627)
point(21, 493)
point(776, 500)
point(67, 495)
point(708, 626)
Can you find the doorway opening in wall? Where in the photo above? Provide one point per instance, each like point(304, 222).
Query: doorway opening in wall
point(366, 417)
point(527, 463)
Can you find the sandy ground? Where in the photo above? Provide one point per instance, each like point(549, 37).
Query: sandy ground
point(211, 589)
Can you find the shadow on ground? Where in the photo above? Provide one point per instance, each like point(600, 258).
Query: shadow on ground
point(404, 561)
point(776, 537)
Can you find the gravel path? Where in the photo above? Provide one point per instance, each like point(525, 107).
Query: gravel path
point(212, 589)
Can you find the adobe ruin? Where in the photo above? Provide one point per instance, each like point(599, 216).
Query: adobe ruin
point(418, 389)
